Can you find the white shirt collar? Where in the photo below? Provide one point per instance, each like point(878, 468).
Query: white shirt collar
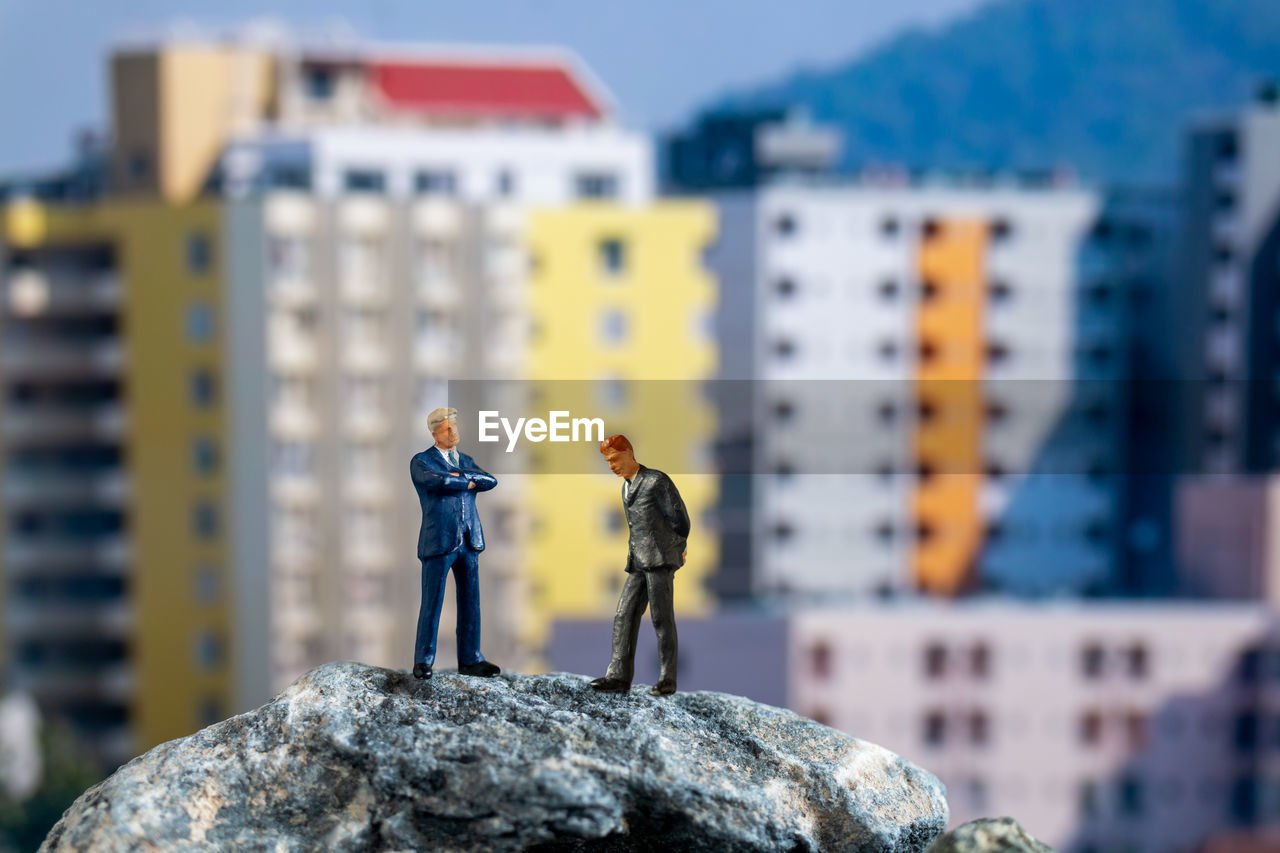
point(445, 454)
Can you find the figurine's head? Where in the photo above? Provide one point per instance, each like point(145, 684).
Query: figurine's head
point(443, 424)
point(620, 456)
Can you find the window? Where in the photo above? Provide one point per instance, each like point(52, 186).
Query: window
point(210, 711)
point(288, 257)
point(198, 253)
point(208, 650)
point(613, 257)
point(785, 287)
point(820, 659)
point(783, 531)
point(784, 410)
point(199, 323)
point(435, 182)
point(1001, 292)
point(935, 728)
point(600, 185)
point(204, 520)
point(364, 394)
point(202, 388)
point(1245, 732)
point(612, 393)
point(207, 585)
point(1135, 726)
point(1091, 728)
point(785, 225)
point(979, 728)
point(293, 458)
point(360, 259)
point(614, 520)
point(364, 181)
point(929, 291)
point(289, 176)
point(980, 660)
point(784, 349)
point(1137, 660)
point(935, 660)
point(1131, 796)
point(887, 350)
point(888, 290)
point(364, 459)
point(436, 259)
point(889, 227)
point(613, 326)
point(320, 82)
point(1001, 230)
point(505, 186)
point(1089, 799)
point(1092, 660)
point(204, 456)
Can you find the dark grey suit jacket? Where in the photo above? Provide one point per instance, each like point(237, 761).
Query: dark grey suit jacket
point(657, 521)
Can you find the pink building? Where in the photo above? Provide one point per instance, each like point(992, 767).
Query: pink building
point(1100, 726)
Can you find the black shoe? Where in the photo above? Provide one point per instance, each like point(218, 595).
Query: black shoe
point(422, 670)
point(605, 684)
point(665, 687)
point(482, 668)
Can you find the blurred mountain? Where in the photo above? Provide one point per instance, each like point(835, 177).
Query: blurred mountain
point(1102, 86)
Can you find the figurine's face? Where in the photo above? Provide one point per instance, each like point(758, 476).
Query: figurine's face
point(622, 463)
point(446, 435)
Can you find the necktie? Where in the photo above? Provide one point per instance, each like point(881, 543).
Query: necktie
point(453, 458)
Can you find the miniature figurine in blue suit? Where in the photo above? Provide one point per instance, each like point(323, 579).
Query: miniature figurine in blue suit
point(451, 538)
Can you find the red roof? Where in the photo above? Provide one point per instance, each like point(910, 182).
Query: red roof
point(527, 91)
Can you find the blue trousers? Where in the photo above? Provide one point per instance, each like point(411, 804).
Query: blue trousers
point(466, 577)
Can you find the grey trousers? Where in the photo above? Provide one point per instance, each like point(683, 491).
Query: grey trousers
point(652, 589)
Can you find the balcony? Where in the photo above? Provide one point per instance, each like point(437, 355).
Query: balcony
point(368, 554)
point(52, 359)
point(293, 421)
point(62, 292)
point(109, 488)
point(505, 220)
point(437, 217)
point(366, 423)
point(292, 292)
point(364, 356)
point(368, 489)
point(53, 682)
point(52, 425)
point(504, 262)
point(438, 293)
point(110, 555)
point(292, 354)
point(294, 490)
point(59, 617)
point(364, 290)
point(434, 356)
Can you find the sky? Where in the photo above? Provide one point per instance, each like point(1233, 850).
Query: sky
point(661, 59)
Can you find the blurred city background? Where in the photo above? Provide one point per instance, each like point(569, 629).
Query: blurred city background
point(957, 324)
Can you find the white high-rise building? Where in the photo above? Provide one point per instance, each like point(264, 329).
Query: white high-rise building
point(932, 399)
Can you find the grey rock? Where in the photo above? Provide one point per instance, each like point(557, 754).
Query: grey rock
point(352, 757)
point(989, 835)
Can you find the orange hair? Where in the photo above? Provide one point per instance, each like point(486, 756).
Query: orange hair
point(617, 443)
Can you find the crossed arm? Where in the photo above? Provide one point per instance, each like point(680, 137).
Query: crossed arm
point(436, 481)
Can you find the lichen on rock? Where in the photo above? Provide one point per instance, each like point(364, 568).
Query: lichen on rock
point(352, 757)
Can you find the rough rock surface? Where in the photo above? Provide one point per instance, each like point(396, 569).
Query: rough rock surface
point(989, 835)
point(352, 757)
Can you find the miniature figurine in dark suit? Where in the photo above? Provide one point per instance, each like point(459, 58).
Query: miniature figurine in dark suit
point(658, 525)
point(450, 537)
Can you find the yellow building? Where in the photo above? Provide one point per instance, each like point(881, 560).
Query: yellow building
point(621, 309)
point(113, 442)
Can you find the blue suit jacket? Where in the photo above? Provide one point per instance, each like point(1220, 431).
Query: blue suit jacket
point(448, 506)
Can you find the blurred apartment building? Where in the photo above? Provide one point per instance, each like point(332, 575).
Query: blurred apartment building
point(922, 388)
point(1229, 415)
point(220, 359)
point(1107, 726)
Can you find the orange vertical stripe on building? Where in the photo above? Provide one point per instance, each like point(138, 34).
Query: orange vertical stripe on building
point(948, 439)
